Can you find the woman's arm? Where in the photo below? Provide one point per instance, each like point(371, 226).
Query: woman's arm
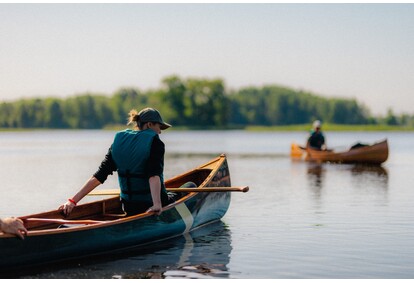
point(106, 168)
point(91, 184)
point(155, 186)
point(155, 169)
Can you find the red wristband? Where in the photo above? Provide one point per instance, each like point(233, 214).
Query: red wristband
point(72, 201)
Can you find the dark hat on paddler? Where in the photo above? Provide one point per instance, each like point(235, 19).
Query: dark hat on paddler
point(152, 115)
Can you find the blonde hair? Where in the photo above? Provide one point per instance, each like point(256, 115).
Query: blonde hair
point(134, 119)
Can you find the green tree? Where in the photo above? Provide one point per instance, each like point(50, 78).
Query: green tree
point(173, 96)
point(53, 114)
point(204, 103)
point(192, 102)
point(123, 101)
point(391, 119)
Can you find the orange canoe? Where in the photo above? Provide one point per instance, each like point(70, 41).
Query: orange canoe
point(368, 154)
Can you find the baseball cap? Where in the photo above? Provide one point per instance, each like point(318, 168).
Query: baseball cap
point(316, 124)
point(152, 115)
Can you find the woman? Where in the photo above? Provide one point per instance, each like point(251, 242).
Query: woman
point(138, 156)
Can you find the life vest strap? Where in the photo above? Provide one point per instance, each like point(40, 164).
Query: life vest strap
point(127, 175)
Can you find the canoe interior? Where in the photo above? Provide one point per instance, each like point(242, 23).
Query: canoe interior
point(110, 209)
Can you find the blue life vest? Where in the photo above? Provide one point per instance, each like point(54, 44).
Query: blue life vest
point(316, 140)
point(130, 152)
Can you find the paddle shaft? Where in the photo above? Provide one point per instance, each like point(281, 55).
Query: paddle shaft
point(177, 190)
point(212, 189)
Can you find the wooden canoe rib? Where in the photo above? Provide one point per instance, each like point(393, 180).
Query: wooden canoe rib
point(103, 228)
point(374, 154)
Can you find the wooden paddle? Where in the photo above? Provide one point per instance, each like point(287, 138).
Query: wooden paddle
point(177, 190)
point(61, 221)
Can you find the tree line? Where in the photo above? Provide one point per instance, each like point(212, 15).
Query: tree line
point(192, 103)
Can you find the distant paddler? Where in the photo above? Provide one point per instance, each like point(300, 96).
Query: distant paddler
point(317, 139)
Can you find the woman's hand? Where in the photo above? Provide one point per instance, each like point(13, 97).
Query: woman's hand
point(91, 184)
point(156, 209)
point(67, 207)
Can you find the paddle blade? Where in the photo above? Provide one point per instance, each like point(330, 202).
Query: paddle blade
point(295, 151)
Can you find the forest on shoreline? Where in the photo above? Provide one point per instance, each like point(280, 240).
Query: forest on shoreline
point(198, 104)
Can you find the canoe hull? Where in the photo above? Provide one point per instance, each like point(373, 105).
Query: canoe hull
point(372, 154)
point(57, 244)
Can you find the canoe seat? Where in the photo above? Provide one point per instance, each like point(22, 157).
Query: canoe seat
point(112, 209)
point(115, 215)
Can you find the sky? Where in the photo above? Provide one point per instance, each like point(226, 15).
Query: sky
point(361, 51)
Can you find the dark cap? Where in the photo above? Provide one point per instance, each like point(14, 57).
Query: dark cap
point(152, 115)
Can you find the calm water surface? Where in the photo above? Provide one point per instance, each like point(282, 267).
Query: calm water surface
point(297, 221)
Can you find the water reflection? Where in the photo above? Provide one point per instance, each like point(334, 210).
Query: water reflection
point(362, 178)
point(203, 253)
point(316, 174)
point(367, 169)
point(371, 176)
point(206, 255)
point(315, 177)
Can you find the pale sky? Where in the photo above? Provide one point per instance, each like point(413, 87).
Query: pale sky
point(362, 51)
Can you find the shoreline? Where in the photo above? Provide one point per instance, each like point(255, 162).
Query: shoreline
point(257, 128)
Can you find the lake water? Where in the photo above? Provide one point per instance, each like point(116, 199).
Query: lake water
point(298, 220)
